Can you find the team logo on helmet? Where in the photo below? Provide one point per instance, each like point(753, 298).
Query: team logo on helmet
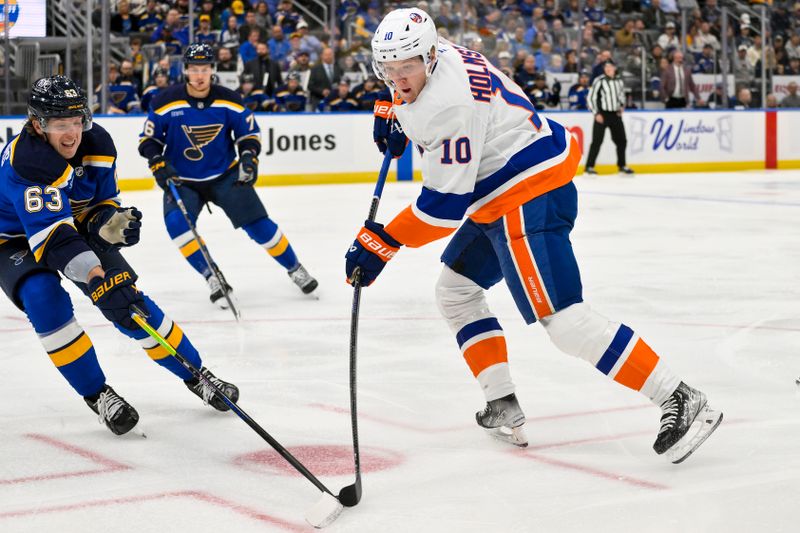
point(199, 136)
point(416, 17)
point(43, 84)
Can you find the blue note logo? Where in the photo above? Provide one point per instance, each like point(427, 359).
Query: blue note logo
point(13, 14)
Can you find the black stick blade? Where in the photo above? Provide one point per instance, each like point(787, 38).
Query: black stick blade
point(350, 495)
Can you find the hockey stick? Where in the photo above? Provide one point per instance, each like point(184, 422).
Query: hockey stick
point(327, 509)
point(203, 250)
point(351, 494)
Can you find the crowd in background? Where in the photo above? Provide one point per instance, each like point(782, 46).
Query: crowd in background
point(280, 61)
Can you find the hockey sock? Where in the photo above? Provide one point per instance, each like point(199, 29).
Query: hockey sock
point(613, 348)
point(182, 236)
point(174, 336)
point(49, 310)
point(266, 233)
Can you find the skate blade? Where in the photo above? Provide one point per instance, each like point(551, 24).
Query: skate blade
point(515, 436)
point(704, 425)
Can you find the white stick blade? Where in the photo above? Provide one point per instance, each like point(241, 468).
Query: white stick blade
point(324, 512)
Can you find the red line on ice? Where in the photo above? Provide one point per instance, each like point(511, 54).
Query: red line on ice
point(191, 494)
point(109, 465)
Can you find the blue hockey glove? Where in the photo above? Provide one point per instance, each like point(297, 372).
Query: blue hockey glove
point(370, 252)
point(114, 295)
point(386, 130)
point(163, 171)
point(248, 168)
point(111, 227)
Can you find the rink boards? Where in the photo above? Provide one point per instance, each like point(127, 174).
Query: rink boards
point(311, 148)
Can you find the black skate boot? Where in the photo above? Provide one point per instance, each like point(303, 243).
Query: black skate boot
point(503, 419)
point(686, 422)
point(303, 279)
point(112, 409)
point(218, 290)
point(207, 393)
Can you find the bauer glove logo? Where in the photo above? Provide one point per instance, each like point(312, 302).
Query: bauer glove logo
point(109, 284)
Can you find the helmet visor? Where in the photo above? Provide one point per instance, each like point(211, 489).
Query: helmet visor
point(393, 71)
point(62, 125)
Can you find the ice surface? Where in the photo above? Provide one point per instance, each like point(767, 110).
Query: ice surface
point(706, 267)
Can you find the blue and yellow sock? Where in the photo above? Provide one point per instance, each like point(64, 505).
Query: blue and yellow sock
point(182, 236)
point(266, 233)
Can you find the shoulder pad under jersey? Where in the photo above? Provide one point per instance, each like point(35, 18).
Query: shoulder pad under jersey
point(171, 94)
point(97, 147)
point(33, 159)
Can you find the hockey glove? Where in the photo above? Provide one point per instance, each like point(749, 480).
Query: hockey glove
point(248, 168)
point(369, 253)
point(163, 171)
point(114, 295)
point(386, 130)
point(111, 227)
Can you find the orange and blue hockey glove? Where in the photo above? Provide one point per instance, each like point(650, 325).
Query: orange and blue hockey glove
point(386, 130)
point(369, 253)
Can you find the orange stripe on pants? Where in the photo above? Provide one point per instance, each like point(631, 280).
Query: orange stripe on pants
point(531, 282)
point(486, 353)
point(638, 367)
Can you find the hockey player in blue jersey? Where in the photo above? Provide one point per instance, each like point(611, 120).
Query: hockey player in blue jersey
point(60, 212)
point(191, 136)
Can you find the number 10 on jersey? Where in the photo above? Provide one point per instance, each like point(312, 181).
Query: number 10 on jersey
point(460, 150)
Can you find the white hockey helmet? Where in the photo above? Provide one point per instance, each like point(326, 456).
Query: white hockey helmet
point(403, 34)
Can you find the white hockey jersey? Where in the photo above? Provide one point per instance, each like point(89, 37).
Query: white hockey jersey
point(485, 151)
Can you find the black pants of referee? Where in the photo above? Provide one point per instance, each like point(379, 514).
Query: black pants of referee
point(613, 122)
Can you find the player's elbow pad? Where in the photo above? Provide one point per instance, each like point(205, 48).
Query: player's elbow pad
point(67, 252)
point(150, 149)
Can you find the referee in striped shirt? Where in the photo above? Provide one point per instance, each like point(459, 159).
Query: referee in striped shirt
point(607, 101)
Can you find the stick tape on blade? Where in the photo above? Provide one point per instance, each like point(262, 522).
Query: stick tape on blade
point(324, 512)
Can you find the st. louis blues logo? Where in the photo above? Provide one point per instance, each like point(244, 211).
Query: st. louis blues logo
point(415, 17)
point(199, 136)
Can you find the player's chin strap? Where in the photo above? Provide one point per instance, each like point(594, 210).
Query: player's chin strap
point(328, 508)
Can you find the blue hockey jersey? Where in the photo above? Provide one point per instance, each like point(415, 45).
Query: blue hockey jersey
point(45, 198)
point(199, 137)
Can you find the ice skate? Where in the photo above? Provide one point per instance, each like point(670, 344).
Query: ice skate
point(686, 422)
point(503, 419)
point(112, 410)
point(206, 392)
point(218, 289)
point(303, 279)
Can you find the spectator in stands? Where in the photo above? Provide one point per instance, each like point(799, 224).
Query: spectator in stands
point(704, 36)
point(236, 10)
point(792, 99)
point(744, 98)
point(571, 64)
point(309, 42)
point(151, 18)
point(160, 81)
point(706, 63)
point(543, 56)
point(352, 71)
point(793, 46)
point(229, 38)
point(504, 63)
point(794, 67)
point(123, 97)
point(204, 32)
point(225, 60)
point(367, 93)
point(518, 43)
point(123, 23)
point(339, 100)
point(172, 33)
point(286, 18)
point(579, 92)
point(127, 74)
point(263, 16)
point(249, 27)
point(624, 37)
point(207, 8)
point(172, 44)
point(743, 71)
point(301, 66)
point(446, 18)
point(265, 71)
point(603, 34)
point(254, 99)
point(669, 40)
point(324, 76)
point(247, 51)
point(291, 98)
point(541, 96)
point(599, 64)
point(772, 101)
point(135, 54)
point(526, 73)
point(279, 47)
point(592, 12)
point(677, 83)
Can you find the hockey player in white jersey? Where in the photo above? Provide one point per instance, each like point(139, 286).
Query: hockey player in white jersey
point(487, 156)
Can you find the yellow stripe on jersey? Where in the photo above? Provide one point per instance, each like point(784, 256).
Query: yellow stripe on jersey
point(230, 105)
point(62, 180)
point(13, 146)
point(40, 250)
point(98, 160)
point(79, 213)
point(170, 106)
point(71, 352)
